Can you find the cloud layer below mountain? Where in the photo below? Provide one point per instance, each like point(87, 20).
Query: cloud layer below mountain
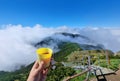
point(16, 42)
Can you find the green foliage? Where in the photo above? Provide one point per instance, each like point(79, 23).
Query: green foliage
point(79, 78)
point(95, 55)
point(117, 55)
point(54, 75)
point(68, 52)
point(21, 75)
point(114, 64)
point(75, 57)
point(18, 75)
point(66, 49)
point(59, 73)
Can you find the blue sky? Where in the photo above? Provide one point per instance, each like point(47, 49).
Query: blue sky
point(53, 13)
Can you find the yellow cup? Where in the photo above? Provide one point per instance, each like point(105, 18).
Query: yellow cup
point(44, 54)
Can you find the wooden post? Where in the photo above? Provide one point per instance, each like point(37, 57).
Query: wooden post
point(98, 59)
point(89, 65)
point(107, 58)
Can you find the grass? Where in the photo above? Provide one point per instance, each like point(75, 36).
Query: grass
point(114, 64)
point(79, 78)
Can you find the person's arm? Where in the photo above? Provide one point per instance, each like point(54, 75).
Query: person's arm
point(38, 72)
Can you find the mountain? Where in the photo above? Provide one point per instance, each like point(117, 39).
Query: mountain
point(63, 44)
point(57, 39)
point(57, 74)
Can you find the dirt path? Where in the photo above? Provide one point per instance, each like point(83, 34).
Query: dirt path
point(111, 77)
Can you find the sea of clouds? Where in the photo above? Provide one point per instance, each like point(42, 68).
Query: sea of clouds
point(17, 42)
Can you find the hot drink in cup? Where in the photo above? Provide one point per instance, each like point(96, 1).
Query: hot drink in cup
point(44, 54)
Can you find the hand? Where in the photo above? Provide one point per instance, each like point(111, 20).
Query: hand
point(38, 72)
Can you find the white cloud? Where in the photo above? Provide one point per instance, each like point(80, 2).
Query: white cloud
point(16, 42)
point(109, 37)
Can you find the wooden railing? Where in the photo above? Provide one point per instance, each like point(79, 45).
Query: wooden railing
point(76, 75)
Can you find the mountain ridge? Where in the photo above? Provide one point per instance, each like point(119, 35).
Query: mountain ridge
point(58, 38)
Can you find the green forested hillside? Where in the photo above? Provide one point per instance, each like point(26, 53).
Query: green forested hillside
point(68, 52)
point(66, 49)
point(18, 75)
point(56, 74)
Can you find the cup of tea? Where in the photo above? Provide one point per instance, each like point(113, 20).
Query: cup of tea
point(44, 54)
